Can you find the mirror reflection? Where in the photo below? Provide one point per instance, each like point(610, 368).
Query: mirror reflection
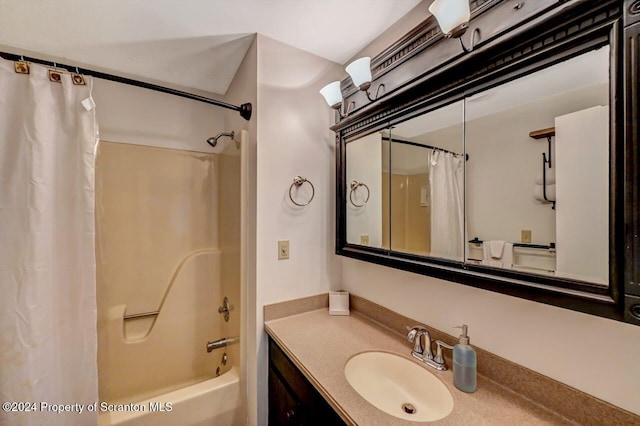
point(532, 194)
point(537, 185)
point(366, 217)
point(426, 184)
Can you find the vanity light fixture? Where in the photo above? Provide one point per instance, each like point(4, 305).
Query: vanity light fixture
point(333, 95)
point(453, 18)
point(360, 73)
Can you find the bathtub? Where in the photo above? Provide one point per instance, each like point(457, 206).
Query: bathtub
point(215, 401)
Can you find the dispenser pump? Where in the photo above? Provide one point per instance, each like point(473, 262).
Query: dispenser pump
point(464, 363)
point(463, 338)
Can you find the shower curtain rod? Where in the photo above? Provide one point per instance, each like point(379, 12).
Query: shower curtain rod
point(387, 138)
point(244, 109)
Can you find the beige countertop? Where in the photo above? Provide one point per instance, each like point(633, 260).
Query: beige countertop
point(320, 345)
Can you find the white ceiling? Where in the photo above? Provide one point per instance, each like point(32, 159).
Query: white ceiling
point(189, 43)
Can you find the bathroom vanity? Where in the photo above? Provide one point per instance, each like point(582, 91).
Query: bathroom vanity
point(307, 385)
point(292, 398)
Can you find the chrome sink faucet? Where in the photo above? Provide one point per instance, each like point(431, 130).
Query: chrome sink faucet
point(423, 352)
point(420, 351)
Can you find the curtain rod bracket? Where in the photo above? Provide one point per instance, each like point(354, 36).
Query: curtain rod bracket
point(245, 111)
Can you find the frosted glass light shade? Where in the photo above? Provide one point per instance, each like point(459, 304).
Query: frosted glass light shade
point(332, 94)
point(450, 13)
point(360, 71)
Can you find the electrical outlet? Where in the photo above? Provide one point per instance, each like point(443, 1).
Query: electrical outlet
point(283, 249)
point(525, 236)
point(364, 240)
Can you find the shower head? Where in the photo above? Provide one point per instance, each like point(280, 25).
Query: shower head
point(214, 140)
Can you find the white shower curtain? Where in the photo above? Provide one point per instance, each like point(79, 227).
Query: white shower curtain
point(447, 216)
point(47, 261)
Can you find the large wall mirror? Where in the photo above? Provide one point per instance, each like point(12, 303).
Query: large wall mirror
point(532, 195)
point(537, 184)
point(509, 182)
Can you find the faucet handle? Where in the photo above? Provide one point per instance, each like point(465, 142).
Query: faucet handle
point(414, 337)
point(439, 359)
point(413, 331)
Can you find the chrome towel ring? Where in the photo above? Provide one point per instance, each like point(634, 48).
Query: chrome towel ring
point(297, 182)
point(354, 185)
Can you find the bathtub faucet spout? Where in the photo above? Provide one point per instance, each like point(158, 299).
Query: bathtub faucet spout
point(220, 343)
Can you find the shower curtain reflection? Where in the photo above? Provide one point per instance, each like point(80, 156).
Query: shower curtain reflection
point(446, 176)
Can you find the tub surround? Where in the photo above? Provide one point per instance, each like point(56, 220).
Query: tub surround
point(158, 249)
point(320, 345)
point(164, 244)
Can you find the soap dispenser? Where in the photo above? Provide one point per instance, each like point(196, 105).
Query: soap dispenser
point(464, 363)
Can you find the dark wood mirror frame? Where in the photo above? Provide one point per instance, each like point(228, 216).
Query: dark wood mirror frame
point(424, 71)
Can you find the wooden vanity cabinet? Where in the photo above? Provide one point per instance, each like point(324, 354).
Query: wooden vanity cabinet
point(292, 399)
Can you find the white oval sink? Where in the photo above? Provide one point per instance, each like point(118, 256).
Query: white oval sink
point(398, 386)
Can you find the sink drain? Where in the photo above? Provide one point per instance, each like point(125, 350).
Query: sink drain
point(409, 408)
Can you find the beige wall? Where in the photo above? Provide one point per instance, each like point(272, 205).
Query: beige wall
point(386, 231)
point(595, 355)
point(410, 222)
point(499, 188)
point(418, 217)
point(157, 249)
point(140, 116)
point(293, 139)
point(398, 200)
point(365, 166)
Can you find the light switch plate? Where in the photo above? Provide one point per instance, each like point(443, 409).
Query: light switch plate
point(364, 240)
point(283, 249)
point(525, 236)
